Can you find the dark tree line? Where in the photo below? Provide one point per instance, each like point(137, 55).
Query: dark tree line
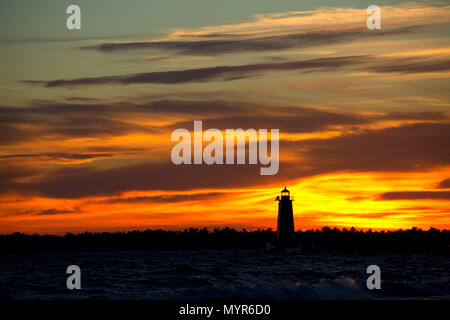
point(325, 239)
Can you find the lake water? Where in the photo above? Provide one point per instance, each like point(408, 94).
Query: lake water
point(224, 274)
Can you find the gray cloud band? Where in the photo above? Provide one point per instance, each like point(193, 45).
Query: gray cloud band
point(256, 44)
point(229, 73)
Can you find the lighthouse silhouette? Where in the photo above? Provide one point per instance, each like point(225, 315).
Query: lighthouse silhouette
point(285, 227)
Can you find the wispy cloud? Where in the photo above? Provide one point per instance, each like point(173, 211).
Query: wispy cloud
point(37, 40)
point(272, 43)
point(411, 66)
point(59, 157)
point(220, 73)
point(444, 184)
point(288, 30)
point(363, 63)
point(415, 195)
point(319, 19)
point(166, 198)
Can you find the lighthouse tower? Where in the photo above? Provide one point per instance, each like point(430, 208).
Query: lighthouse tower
point(285, 228)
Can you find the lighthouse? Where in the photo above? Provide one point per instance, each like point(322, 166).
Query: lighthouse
point(285, 227)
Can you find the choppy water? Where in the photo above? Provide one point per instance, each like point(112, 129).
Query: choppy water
point(224, 274)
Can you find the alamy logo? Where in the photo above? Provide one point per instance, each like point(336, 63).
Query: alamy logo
point(374, 281)
point(74, 280)
point(374, 19)
point(213, 152)
point(74, 20)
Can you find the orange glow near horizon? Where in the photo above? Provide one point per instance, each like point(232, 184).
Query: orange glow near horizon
point(334, 200)
point(338, 199)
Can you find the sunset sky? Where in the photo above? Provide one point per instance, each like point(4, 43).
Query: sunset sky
point(86, 115)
